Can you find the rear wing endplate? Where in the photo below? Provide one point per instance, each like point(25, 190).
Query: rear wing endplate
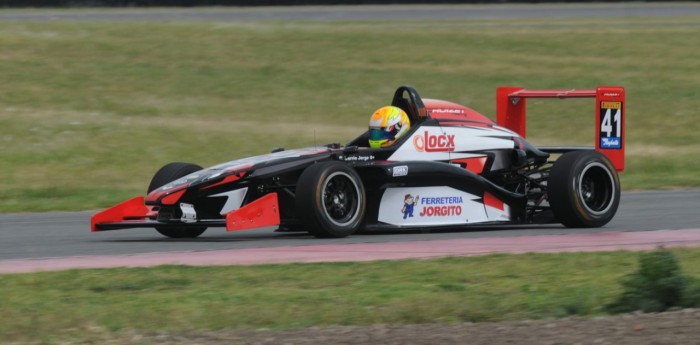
point(609, 110)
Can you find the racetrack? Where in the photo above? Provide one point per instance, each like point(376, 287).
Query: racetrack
point(53, 235)
point(67, 234)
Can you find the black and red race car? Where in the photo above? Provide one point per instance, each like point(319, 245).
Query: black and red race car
point(455, 168)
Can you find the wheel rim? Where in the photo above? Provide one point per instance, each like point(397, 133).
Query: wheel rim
point(596, 188)
point(341, 198)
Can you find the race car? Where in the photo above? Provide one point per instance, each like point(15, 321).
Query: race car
point(455, 168)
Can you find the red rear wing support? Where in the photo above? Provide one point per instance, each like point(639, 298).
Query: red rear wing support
point(609, 109)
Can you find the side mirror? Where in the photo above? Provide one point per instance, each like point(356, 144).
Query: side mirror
point(519, 158)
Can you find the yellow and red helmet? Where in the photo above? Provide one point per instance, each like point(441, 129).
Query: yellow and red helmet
point(387, 125)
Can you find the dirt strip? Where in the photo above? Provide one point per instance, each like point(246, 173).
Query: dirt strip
point(673, 328)
point(641, 240)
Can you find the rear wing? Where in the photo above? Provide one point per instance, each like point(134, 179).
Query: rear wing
point(609, 110)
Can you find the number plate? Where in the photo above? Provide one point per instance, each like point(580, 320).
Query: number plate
point(610, 125)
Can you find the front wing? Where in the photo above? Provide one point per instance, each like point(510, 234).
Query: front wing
point(134, 213)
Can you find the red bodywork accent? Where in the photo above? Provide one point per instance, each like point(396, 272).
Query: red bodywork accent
point(475, 165)
point(227, 179)
point(466, 123)
point(155, 194)
point(131, 209)
point(172, 198)
point(511, 112)
point(444, 110)
point(492, 201)
point(261, 212)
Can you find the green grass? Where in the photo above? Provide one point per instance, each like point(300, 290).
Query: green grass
point(78, 303)
point(89, 111)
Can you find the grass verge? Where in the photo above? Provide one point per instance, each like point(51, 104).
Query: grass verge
point(72, 304)
point(90, 109)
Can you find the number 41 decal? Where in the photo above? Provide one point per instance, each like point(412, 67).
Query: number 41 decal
point(611, 125)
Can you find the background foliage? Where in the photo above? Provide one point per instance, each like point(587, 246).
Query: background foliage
point(658, 285)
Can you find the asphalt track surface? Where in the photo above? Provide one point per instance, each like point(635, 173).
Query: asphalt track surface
point(365, 13)
point(67, 234)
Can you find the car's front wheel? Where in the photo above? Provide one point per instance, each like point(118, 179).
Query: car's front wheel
point(169, 173)
point(330, 199)
point(583, 189)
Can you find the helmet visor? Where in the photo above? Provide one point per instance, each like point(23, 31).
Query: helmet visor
point(380, 134)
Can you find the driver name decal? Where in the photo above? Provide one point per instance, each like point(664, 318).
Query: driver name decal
point(354, 158)
point(434, 143)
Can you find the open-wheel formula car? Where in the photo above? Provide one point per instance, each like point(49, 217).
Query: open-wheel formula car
point(454, 168)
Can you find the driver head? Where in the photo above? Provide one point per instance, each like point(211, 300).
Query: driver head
point(387, 125)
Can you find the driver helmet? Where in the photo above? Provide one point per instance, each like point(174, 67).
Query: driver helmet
point(387, 125)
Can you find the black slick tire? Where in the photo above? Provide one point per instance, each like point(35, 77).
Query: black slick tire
point(330, 200)
point(169, 173)
point(583, 189)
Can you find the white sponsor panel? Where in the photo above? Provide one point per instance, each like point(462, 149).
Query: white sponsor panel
point(496, 214)
point(414, 206)
point(440, 143)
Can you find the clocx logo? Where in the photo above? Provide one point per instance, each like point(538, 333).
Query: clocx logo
point(434, 143)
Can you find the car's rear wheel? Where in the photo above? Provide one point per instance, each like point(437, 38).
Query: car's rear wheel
point(583, 189)
point(169, 173)
point(330, 200)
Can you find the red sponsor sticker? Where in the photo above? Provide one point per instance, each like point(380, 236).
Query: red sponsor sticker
point(434, 143)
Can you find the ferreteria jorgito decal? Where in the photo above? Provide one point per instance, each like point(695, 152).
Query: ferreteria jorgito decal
point(441, 206)
point(409, 201)
point(430, 205)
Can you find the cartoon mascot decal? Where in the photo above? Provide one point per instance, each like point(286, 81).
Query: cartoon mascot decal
point(408, 203)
